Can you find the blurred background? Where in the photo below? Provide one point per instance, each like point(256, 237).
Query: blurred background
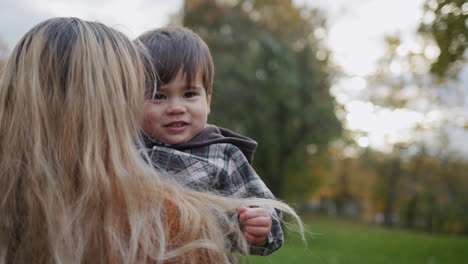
point(360, 109)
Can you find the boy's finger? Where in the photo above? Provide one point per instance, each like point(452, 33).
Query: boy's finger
point(258, 221)
point(257, 231)
point(242, 209)
point(255, 239)
point(253, 212)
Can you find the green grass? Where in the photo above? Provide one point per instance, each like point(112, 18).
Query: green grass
point(344, 242)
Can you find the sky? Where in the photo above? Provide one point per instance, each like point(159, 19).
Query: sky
point(367, 20)
point(132, 17)
point(357, 28)
point(356, 32)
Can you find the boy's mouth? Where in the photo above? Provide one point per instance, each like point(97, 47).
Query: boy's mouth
point(176, 127)
point(176, 124)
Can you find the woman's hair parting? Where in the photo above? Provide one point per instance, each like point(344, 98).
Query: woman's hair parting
point(74, 187)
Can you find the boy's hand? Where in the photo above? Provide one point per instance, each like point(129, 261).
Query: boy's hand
point(257, 224)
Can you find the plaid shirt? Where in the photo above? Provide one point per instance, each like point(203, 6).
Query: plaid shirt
point(221, 167)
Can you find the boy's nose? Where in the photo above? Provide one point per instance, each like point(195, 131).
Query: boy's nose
point(175, 107)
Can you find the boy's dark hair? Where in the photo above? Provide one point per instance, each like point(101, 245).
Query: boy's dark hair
point(177, 48)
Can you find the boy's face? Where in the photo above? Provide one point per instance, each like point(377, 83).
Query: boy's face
point(177, 112)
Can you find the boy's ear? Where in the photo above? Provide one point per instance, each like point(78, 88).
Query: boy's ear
point(208, 102)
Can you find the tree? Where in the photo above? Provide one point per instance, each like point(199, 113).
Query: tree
point(446, 23)
point(271, 81)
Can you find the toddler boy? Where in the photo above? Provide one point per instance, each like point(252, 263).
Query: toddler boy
point(175, 128)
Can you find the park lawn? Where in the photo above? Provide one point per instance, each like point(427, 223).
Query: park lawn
point(343, 242)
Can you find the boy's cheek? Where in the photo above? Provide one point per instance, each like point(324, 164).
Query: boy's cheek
point(145, 113)
point(149, 118)
point(149, 127)
point(151, 110)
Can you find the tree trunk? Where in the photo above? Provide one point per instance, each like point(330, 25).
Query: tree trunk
point(392, 194)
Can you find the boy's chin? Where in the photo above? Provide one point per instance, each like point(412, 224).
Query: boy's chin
point(175, 141)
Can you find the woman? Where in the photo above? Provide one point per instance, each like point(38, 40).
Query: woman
point(73, 187)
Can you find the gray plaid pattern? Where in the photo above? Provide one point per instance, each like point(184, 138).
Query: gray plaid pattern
point(222, 168)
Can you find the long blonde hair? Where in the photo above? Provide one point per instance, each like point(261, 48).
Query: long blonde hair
point(73, 186)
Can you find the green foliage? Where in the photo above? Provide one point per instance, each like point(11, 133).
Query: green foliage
point(434, 197)
point(344, 242)
point(449, 29)
point(271, 80)
point(418, 191)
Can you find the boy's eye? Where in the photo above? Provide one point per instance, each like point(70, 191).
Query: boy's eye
point(159, 96)
point(189, 94)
